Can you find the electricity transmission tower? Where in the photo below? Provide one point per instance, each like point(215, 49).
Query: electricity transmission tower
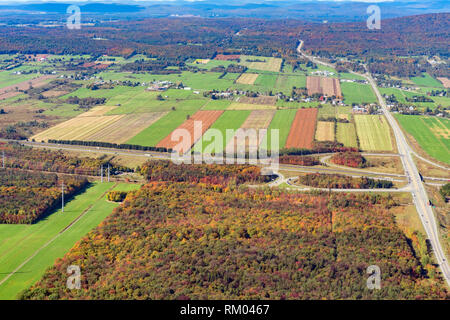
point(62, 197)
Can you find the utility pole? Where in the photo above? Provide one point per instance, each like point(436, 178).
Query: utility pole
point(108, 172)
point(101, 172)
point(62, 197)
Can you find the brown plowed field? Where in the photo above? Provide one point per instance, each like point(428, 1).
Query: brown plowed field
point(327, 86)
point(206, 117)
point(10, 91)
point(302, 130)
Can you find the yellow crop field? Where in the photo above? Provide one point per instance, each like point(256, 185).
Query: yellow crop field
point(373, 133)
point(93, 125)
point(325, 131)
point(250, 106)
point(97, 111)
point(125, 128)
point(78, 128)
point(346, 134)
point(262, 63)
point(202, 61)
point(247, 78)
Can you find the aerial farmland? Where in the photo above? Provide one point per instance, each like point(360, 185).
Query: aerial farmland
point(175, 151)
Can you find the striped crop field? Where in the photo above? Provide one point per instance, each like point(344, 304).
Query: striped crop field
point(94, 125)
point(373, 133)
point(250, 138)
point(303, 128)
point(327, 86)
point(261, 63)
point(125, 128)
point(229, 120)
point(346, 134)
point(206, 118)
point(325, 131)
point(160, 129)
point(282, 122)
point(78, 128)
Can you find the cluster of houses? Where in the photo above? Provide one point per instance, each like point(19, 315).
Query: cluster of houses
point(367, 108)
point(322, 73)
point(355, 81)
point(160, 85)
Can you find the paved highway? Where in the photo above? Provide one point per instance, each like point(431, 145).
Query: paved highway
point(418, 191)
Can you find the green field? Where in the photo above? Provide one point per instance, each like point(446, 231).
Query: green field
point(222, 104)
point(401, 96)
point(296, 105)
point(346, 134)
point(266, 81)
point(373, 133)
point(328, 110)
point(357, 93)
point(282, 120)
point(7, 78)
point(431, 133)
point(287, 82)
point(230, 119)
point(211, 64)
point(350, 76)
point(160, 129)
point(427, 81)
point(37, 246)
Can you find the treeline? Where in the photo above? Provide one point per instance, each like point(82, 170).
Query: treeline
point(23, 157)
point(349, 159)
point(109, 145)
point(319, 147)
point(214, 174)
point(299, 160)
point(27, 196)
point(445, 191)
point(336, 181)
point(85, 102)
point(116, 196)
point(232, 68)
point(193, 241)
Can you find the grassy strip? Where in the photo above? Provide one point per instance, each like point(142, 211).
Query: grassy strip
point(19, 242)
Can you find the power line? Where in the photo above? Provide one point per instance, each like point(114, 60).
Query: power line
point(62, 196)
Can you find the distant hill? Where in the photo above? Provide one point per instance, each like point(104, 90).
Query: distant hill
point(317, 11)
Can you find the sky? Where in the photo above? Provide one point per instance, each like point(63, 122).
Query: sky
point(242, 1)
